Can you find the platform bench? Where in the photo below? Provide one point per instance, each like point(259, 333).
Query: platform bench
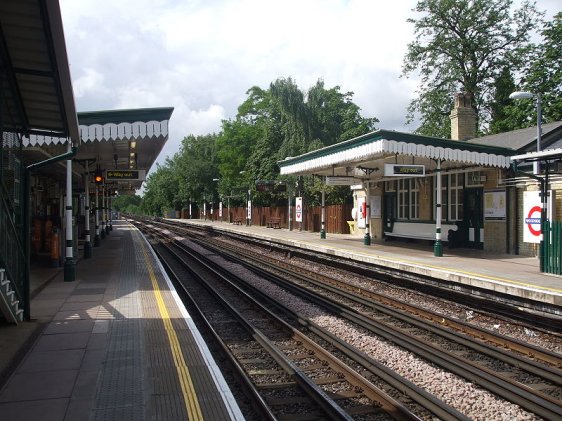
point(237, 221)
point(419, 230)
point(273, 223)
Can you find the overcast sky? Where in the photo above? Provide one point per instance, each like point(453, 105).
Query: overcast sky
point(201, 56)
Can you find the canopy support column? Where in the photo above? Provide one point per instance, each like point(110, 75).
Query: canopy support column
point(69, 264)
point(323, 230)
point(367, 238)
point(438, 246)
point(87, 243)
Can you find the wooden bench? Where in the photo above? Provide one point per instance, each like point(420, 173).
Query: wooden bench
point(273, 223)
point(237, 221)
point(419, 230)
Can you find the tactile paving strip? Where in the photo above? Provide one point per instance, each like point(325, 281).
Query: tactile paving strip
point(118, 394)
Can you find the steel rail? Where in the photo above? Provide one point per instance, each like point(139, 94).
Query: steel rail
point(421, 318)
point(513, 391)
point(418, 395)
point(389, 405)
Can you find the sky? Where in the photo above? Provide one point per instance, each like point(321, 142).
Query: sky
point(201, 56)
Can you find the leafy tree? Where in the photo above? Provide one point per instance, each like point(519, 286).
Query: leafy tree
point(462, 45)
point(544, 74)
point(271, 124)
point(128, 203)
point(503, 87)
point(196, 166)
point(161, 190)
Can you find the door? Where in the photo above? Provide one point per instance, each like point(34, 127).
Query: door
point(474, 217)
point(389, 211)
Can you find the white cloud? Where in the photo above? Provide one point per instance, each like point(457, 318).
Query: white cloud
point(201, 56)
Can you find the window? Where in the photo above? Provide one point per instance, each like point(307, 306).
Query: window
point(414, 199)
point(408, 199)
point(451, 197)
point(456, 183)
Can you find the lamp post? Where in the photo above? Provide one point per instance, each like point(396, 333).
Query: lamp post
point(529, 95)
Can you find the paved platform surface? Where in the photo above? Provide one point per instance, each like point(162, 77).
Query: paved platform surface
point(116, 344)
point(510, 274)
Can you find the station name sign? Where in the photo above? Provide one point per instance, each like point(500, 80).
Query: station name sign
point(116, 175)
point(403, 170)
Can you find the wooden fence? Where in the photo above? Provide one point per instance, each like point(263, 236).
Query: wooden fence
point(336, 217)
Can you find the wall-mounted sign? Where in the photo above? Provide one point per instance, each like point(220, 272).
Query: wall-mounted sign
point(116, 175)
point(494, 204)
point(403, 170)
point(341, 181)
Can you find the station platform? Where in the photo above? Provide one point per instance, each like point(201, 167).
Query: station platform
point(115, 344)
point(502, 273)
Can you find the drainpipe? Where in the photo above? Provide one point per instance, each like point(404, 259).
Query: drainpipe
point(26, 212)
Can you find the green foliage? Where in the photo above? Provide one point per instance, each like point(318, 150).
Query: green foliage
point(542, 75)
point(463, 45)
point(128, 204)
point(503, 87)
point(271, 124)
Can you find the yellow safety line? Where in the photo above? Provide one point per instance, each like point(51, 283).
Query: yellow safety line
point(188, 390)
point(448, 269)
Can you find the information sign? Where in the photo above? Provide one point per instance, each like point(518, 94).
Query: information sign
point(116, 175)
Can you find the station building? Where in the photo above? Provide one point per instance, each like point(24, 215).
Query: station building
point(464, 191)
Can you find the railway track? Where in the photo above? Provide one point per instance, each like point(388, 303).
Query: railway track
point(469, 352)
point(525, 312)
point(290, 376)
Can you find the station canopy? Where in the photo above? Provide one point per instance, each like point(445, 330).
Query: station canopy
point(124, 141)
point(364, 157)
point(36, 86)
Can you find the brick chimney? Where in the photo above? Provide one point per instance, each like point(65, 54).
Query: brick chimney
point(463, 118)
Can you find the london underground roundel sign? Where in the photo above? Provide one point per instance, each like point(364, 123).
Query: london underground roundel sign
point(532, 217)
point(533, 220)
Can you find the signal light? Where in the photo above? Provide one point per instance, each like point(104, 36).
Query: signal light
point(98, 177)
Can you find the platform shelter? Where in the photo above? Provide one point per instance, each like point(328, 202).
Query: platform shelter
point(51, 155)
point(462, 191)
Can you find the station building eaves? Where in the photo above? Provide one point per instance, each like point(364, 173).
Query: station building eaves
point(372, 149)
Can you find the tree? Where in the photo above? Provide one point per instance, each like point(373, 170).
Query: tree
point(462, 45)
point(128, 203)
point(544, 74)
point(503, 87)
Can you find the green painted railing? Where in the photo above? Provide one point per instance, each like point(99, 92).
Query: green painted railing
point(553, 247)
point(12, 257)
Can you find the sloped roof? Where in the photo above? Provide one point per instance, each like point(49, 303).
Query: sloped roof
point(524, 139)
